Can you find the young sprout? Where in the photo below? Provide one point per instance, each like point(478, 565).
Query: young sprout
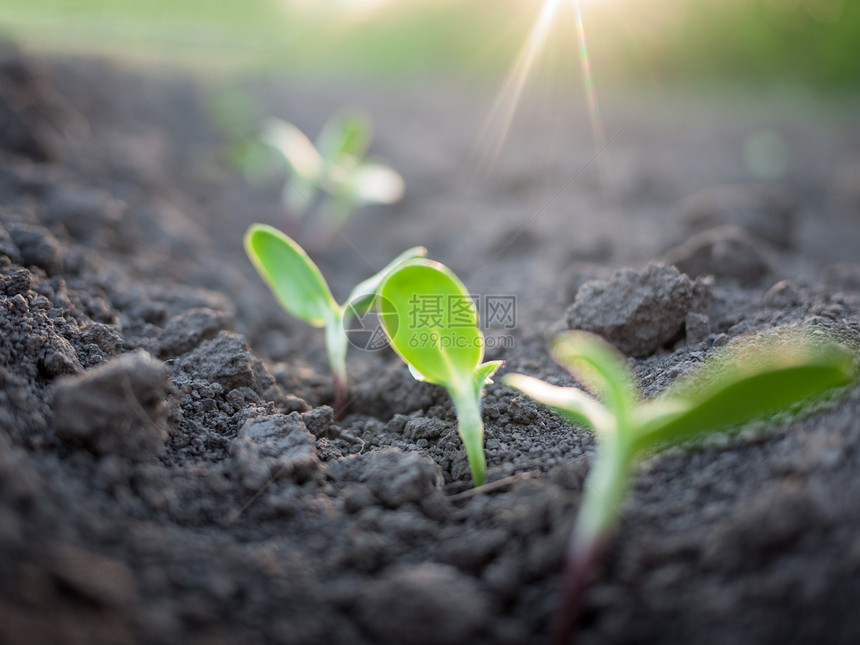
point(333, 169)
point(301, 289)
point(432, 323)
point(746, 380)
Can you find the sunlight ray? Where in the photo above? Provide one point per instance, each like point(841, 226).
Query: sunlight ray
point(588, 80)
point(498, 123)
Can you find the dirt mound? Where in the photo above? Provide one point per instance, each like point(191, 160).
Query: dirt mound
point(189, 484)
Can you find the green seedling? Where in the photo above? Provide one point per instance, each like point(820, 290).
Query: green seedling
point(302, 291)
point(432, 323)
point(747, 380)
point(334, 168)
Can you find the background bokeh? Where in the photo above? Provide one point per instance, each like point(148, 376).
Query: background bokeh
point(810, 43)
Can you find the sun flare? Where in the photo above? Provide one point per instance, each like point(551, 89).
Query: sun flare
point(498, 123)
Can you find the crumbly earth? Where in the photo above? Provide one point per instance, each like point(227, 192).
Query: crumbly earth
point(212, 498)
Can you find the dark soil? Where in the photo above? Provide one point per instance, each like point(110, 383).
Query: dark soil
point(169, 468)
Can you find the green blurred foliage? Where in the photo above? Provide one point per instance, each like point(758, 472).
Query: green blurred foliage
point(808, 41)
point(814, 41)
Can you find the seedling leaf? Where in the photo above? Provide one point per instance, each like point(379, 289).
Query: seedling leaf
point(415, 310)
point(298, 151)
point(345, 134)
point(301, 289)
point(573, 404)
point(484, 373)
point(332, 173)
point(745, 381)
point(738, 387)
point(362, 297)
point(375, 183)
point(292, 276)
point(598, 366)
point(432, 323)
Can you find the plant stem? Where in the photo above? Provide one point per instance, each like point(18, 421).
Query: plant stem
point(601, 499)
point(470, 425)
point(336, 346)
point(579, 562)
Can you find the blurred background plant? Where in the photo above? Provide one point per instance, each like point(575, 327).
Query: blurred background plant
point(330, 177)
point(323, 181)
point(807, 42)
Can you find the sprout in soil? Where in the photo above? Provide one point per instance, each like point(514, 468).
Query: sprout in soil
point(432, 323)
point(332, 172)
point(300, 288)
point(750, 379)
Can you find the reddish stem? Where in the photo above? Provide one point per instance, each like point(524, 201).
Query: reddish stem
point(580, 558)
point(340, 402)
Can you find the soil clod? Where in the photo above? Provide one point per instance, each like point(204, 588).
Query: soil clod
point(724, 252)
point(277, 446)
point(118, 408)
point(638, 312)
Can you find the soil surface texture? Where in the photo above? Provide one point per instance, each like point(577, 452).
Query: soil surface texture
point(170, 470)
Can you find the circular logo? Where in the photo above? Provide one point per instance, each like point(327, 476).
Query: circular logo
point(363, 327)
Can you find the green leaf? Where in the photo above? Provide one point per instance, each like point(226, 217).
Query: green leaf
point(298, 151)
point(363, 296)
point(291, 275)
point(375, 183)
point(431, 322)
point(571, 403)
point(747, 381)
point(484, 373)
point(345, 134)
point(350, 185)
point(484, 376)
point(598, 366)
